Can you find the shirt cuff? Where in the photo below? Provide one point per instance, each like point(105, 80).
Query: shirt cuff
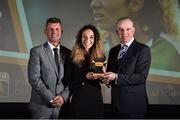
point(51, 101)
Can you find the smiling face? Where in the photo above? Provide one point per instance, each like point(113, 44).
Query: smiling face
point(106, 12)
point(125, 30)
point(87, 39)
point(53, 32)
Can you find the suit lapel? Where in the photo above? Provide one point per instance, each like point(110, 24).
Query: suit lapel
point(62, 55)
point(116, 53)
point(130, 50)
point(50, 56)
point(114, 58)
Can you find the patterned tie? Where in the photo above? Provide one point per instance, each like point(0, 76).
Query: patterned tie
point(56, 57)
point(122, 51)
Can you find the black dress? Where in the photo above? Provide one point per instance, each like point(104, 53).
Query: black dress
point(86, 94)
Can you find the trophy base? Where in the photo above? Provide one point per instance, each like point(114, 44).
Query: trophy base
point(98, 74)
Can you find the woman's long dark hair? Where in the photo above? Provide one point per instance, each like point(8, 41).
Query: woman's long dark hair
point(79, 52)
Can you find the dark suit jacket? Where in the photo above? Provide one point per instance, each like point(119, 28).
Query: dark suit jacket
point(129, 93)
point(44, 79)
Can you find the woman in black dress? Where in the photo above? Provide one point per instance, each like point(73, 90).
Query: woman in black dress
point(86, 97)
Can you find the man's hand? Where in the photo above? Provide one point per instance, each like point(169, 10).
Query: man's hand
point(57, 101)
point(110, 76)
point(104, 80)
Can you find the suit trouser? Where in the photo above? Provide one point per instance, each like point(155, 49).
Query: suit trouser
point(54, 114)
point(120, 115)
point(130, 116)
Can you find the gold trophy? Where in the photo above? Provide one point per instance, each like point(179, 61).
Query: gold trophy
point(98, 66)
point(98, 69)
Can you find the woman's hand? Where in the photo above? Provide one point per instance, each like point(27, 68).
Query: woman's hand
point(91, 76)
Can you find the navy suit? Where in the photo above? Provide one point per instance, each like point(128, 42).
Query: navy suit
point(129, 91)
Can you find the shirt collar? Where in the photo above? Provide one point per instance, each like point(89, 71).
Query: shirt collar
point(52, 46)
point(129, 43)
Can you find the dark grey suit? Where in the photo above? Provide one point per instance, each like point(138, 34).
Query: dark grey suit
point(129, 93)
point(45, 80)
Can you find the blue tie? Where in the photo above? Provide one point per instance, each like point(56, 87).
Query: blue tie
point(122, 51)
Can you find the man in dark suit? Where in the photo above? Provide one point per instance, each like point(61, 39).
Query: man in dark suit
point(48, 72)
point(128, 67)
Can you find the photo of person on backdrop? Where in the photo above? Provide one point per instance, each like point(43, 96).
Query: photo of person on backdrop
point(158, 33)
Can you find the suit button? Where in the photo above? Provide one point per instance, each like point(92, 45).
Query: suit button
point(83, 83)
